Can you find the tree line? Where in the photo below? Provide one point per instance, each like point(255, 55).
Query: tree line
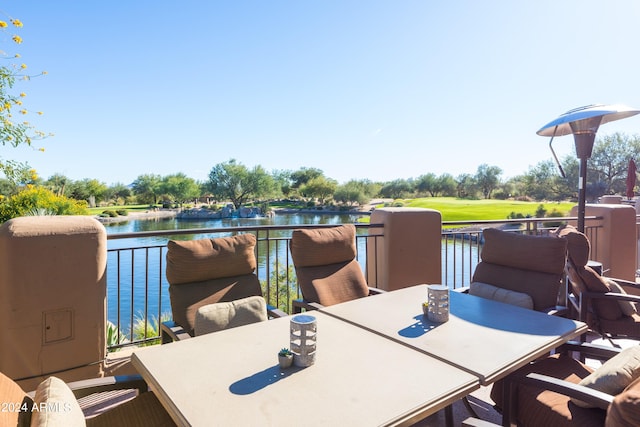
point(232, 181)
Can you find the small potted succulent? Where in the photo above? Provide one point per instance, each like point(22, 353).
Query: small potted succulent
point(285, 358)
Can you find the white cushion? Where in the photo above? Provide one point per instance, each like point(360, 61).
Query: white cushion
point(627, 307)
point(225, 315)
point(495, 293)
point(615, 374)
point(56, 406)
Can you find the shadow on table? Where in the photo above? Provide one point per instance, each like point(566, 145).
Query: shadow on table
point(421, 326)
point(262, 379)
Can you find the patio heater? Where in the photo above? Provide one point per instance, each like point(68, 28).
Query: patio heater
point(583, 123)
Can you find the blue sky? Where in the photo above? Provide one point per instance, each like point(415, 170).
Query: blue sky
point(359, 89)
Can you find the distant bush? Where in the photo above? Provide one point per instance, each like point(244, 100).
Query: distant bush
point(110, 212)
point(122, 212)
point(554, 214)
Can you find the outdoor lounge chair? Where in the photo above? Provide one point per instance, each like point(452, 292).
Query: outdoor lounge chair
point(213, 271)
point(55, 403)
point(521, 269)
point(559, 390)
point(607, 305)
point(326, 267)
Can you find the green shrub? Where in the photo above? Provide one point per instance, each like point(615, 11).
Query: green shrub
point(122, 212)
point(110, 212)
point(35, 199)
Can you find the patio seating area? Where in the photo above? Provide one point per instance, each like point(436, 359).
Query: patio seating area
point(371, 343)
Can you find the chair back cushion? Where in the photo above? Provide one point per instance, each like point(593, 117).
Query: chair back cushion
point(62, 407)
point(624, 411)
point(12, 394)
point(188, 297)
point(323, 246)
point(203, 259)
point(226, 315)
point(325, 264)
point(332, 284)
point(578, 246)
point(208, 271)
point(485, 290)
point(533, 265)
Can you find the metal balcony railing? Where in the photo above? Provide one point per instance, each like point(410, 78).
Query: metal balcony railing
point(137, 289)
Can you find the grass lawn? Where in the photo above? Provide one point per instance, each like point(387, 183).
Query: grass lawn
point(454, 209)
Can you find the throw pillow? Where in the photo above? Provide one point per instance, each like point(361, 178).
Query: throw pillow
point(56, 406)
point(627, 307)
point(225, 315)
point(485, 290)
point(624, 411)
point(615, 374)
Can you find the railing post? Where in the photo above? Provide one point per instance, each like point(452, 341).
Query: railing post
point(410, 252)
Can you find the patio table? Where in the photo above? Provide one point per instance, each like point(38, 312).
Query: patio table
point(232, 378)
point(484, 337)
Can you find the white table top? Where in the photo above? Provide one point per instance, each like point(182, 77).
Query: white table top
point(359, 378)
point(483, 337)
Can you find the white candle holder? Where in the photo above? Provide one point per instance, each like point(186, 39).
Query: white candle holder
point(438, 303)
point(303, 339)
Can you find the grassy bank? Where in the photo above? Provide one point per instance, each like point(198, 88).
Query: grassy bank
point(453, 209)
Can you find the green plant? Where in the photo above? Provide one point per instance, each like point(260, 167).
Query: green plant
point(122, 212)
point(285, 352)
point(111, 213)
point(114, 336)
point(143, 329)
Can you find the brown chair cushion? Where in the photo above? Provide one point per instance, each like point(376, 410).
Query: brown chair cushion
point(187, 298)
point(537, 253)
point(323, 246)
point(578, 246)
point(203, 259)
point(538, 407)
point(533, 265)
point(604, 309)
point(624, 411)
point(332, 284)
point(12, 394)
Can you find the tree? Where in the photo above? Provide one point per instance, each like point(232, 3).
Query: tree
point(180, 188)
point(466, 186)
point(119, 193)
point(488, 177)
point(304, 175)
point(607, 168)
point(319, 187)
point(57, 183)
point(233, 181)
point(397, 189)
point(90, 190)
point(147, 188)
point(14, 132)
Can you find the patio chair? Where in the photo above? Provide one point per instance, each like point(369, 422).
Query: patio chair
point(326, 267)
point(606, 304)
point(213, 271)
point(521, 269)
point(561, 391)
point(55, 403)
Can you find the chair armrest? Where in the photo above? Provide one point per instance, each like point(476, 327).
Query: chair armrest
point(84, 388)
point(462, 290)
point(594, 351)
point(170, 331)
point(275, 312)
point(376, 291)
point(593, 397)
point(611, 295)
point(558, 310)
point(298, 305)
